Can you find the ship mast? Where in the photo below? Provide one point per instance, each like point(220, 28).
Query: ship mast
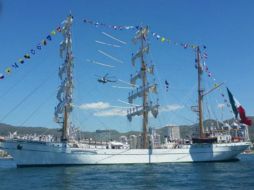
point(144, 82)
point(202, 137)
point(145, 88)
point(200, 95)
point(65, 90)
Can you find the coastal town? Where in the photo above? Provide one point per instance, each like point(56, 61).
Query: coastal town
point(130, 94)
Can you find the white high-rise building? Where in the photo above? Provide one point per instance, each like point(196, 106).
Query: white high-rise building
point(139, 141)
point(156, 140)
point(173, 133)
point(123, 139)
point(133, 141)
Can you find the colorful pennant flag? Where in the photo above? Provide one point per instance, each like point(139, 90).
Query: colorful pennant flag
point(184, 45)
point(32, 51)
point(49, 38)
point(15, 65)
point(59, 29)
point(53, 32)
point(167, 85)
point(1, 76)
point(27, 56)
point(21, 61)
point(114, 27)
point(44, 42)
point(38, 47)
point(154, 34)
point(8, 70)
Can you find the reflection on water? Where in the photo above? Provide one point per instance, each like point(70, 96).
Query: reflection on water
point(219, 175)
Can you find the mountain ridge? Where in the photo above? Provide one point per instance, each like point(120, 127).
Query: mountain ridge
point(185, 131)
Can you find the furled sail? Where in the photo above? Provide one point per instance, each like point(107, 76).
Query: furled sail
point(139, 54)
point(150, 69)
point(62, 71)
point(140, 91)
point(134, 78)
point(61, 89)
point(139, 110)
point(62, 48)
point(58, 111)
point(142, 33)
point(139, 75)
point(145, 88)
point(65, 90)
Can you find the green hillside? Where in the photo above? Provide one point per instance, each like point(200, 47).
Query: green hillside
point(185, 131)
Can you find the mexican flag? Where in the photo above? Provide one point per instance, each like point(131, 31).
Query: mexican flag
point(238, 109)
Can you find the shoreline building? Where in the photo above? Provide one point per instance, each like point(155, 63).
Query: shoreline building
point(173, 133)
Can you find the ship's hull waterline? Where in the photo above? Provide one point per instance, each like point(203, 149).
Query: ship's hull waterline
point(39, 154)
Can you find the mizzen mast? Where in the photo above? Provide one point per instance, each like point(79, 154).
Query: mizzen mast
point(200, 94)
point(203, 138)
point(145, 88)
point(65, 90)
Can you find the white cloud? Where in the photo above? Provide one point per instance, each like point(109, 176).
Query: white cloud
point(171, 107)
point(111, 112)
point(105, 109)
point(95, 106)
point(221, 106)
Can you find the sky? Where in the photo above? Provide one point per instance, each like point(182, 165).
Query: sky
point(28, 93)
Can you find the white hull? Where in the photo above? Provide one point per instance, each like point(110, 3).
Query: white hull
point(33, 153)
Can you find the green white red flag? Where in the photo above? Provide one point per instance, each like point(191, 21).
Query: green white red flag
point(238, 109)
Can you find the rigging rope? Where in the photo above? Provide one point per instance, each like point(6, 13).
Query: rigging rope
point(25, 98)
point(99, 63)
point(37, 109)
point(114, 38)
point(21, 79)
point(164, 96)
point(89, 92)
point(104, 43)
point(110, 56)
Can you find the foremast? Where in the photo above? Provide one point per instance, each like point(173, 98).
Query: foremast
point(145, 88)
point(65, 90)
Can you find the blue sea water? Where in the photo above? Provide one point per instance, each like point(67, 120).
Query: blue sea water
point(193, 176)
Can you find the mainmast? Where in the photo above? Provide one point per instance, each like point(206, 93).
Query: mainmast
point(200, 94)
point(145, 88)
point(65, 90)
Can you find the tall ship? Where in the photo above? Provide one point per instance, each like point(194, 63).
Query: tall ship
point(203, 148)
